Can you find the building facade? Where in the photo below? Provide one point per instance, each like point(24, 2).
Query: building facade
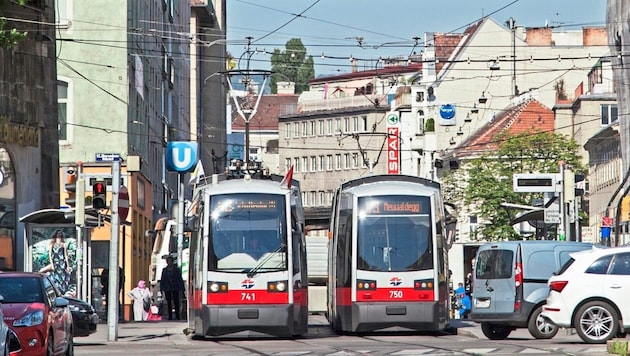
point(28, 124)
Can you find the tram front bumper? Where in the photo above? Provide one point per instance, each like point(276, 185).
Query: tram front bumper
point(416, 316)
point(276, 320)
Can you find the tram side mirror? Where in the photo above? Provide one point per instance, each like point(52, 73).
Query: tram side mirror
point(149, 233)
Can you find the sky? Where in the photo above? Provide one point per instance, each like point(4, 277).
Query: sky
point(333, 31)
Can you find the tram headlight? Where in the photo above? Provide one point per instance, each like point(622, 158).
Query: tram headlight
point(366, 284)
point(277, 286)
point(217, 287)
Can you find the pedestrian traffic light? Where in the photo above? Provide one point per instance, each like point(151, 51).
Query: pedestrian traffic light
point(71, 187)
point(99, 195)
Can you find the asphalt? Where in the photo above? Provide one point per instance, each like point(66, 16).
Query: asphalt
point(172, 332)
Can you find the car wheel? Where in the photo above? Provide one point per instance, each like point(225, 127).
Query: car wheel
point(50, 347)
point(495, 332)
point(70, 349)
point(596, 322)
point(540, 328)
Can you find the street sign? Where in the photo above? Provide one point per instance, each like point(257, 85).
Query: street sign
point(181, 156)
point(552, 211)
point(107, 157)
point(537, 182)
point(123, 203)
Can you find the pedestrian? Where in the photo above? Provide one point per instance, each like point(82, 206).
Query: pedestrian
point(172, 287)
point(141, 297)
point(464, 304)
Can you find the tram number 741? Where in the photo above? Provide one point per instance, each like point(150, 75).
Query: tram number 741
point(250, 297)
point(395, 294)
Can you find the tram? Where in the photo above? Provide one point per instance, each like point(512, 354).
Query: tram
point(248, 269)
point(388, 256)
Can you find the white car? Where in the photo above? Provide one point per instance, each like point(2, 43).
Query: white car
point(590, 293)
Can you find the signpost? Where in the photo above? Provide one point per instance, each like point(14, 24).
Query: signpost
point(123, 203)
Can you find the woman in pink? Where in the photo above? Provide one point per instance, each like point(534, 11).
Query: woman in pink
point(139, 296)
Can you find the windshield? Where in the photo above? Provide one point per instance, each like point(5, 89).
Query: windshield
point(21, 290)
point(394, 234)
point(248, 232)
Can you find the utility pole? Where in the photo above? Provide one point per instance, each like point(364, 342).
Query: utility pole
point(511, 23)
point(113, 292)
point(79, 222)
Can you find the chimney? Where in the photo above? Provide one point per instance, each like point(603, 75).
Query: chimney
point(594, 36)
point(538, 36)
point(285, 88)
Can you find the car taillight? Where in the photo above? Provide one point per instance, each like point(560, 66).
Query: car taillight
point(518, 274)
point(558, 286)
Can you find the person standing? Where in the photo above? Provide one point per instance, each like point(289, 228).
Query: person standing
point(172, 287)
point(141, 296)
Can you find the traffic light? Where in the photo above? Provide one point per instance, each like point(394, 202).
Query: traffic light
point(99, 195)
point(569, 185)
point(71, 187)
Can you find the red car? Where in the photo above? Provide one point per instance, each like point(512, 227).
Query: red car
point(37, 314)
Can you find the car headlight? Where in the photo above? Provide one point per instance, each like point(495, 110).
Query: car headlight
point(31, 319)
point(77, 308)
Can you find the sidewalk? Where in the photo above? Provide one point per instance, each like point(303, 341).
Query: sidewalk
point(156, 332)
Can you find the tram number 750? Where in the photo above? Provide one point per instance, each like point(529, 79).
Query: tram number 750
point(250, 297)
point(395, 294)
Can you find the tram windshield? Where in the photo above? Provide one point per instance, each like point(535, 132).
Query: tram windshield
point(248, 233)
point(394, 233)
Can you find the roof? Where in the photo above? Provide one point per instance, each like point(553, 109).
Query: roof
point(389, 70)
point(271, 106)
point(61, 216)
point(526, 117)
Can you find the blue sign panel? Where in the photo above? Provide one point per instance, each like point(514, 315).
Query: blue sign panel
point(236, 146)
point(181, 156)
point(447, 111)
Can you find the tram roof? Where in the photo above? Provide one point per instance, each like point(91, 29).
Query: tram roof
point(390, 178)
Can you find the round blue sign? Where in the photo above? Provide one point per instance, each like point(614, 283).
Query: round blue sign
point(447, 111)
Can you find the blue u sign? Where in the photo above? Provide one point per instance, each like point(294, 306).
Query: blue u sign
point(181, 156)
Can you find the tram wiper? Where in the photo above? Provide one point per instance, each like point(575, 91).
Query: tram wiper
point(252, 272)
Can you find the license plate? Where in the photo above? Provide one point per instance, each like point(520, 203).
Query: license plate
point(482, 303)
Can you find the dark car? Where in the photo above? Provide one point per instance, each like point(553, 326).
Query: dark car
point(84, 318)
point(36, 312)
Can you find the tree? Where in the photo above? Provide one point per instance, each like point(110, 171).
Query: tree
point(10, 37)
point(485, 182)
point(292, 65)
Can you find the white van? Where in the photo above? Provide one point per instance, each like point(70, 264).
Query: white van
point(510, 285)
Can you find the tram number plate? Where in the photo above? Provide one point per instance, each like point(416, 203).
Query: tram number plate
point(482, 303)
point(248, 297)
point(395, 294)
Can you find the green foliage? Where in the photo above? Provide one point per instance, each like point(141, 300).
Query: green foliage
point(10, 37)
point(429, 126)
point(486, 181)
point(292, 65)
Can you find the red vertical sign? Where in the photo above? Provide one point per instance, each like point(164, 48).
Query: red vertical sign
point(393, 150)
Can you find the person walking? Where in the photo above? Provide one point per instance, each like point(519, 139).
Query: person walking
point(172, 287)
point(141, 297)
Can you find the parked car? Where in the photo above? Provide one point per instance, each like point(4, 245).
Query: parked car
point(84, 318)
point(8, 339)
point(510, 285)
point(38, 315)
point(590, 293)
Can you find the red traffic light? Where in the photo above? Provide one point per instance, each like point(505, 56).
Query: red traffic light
point(98, 188)
point(99, 195)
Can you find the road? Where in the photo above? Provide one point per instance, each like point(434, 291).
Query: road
point(166, 338)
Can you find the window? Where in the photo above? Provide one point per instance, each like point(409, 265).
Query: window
point(287, 163)
point(329, 123)
point(355, 124)
point(364, 125)
point(304, 129)
point(313, 131)
point(600, 266)
point(63, 111)
point(296, 129)
point(313, 163)
point(338, 124)
point(287, 133)
point(322, 127)
point(421, 122)
point(322, 163)
point(494, 264)
point(609, 114)
point(338, 161)
point(304, 164)
point(621, 264)
point(355, 160)
point(329, 166)
point(346, 161)
point(296, 164)
point(346, 125)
